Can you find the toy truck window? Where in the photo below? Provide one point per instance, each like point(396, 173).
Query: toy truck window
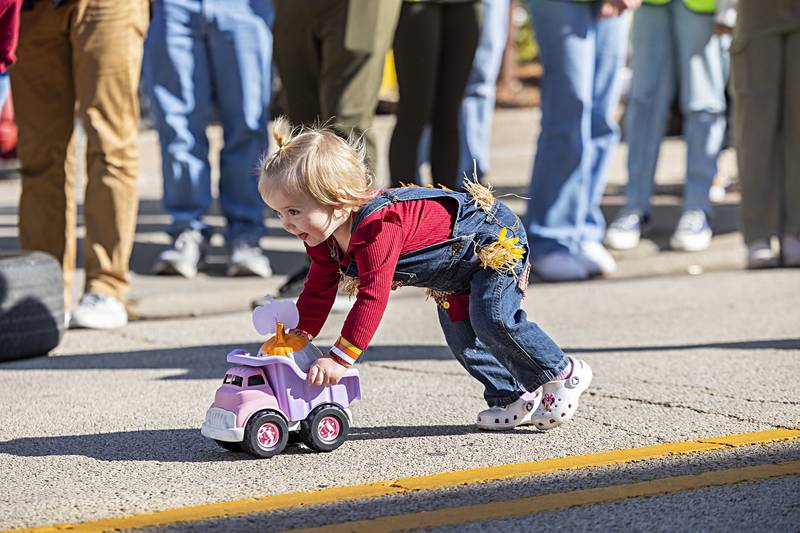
point(254, 381)
point(231, 379)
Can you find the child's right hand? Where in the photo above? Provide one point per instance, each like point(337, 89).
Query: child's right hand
point(325, 371)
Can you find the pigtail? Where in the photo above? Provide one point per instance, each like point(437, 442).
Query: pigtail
point(282, 132)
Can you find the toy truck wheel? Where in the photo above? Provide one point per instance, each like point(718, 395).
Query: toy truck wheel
point(265, 434)
point(325, 429)
point(230, 446)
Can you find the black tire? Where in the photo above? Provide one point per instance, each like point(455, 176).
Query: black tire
point(230, 446)
point(31, 304)
point(271, 441)
point(325, 429)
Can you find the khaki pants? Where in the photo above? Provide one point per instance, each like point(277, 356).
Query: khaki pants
point(84, 55)
point(330, 55)
point(765, 69)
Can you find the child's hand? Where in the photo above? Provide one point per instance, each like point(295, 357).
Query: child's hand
point(325, 371)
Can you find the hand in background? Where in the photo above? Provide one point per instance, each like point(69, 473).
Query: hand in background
point(722, 29)
point(325, 371)
point(615, 8)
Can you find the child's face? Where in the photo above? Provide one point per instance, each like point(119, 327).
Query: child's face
point(303, 217)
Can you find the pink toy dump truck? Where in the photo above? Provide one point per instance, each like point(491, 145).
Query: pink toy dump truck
point(266, 396)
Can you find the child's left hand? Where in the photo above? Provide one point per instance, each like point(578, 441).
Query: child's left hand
point(325, 371)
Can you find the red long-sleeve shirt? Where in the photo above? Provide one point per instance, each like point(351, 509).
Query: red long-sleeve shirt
point(375, 246)
point(9, 32)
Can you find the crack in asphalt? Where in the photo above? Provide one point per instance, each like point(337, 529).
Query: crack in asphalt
point(625, 430)
point(712, 392)
point(688, 407)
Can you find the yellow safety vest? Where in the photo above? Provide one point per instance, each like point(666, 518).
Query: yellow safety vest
point(698, 6)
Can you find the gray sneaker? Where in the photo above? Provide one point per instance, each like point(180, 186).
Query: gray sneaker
point(248, 259)
point(184, 257)
point(98, 311)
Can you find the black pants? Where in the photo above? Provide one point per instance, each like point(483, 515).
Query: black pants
point(434, 47)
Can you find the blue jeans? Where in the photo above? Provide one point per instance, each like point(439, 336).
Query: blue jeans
point(581, 56)
point(5, 88)
point(199, 53)
point(672, 45)
point(496, 344)
point(477, 107)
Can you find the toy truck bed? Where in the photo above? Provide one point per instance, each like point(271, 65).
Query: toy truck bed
point(296, 398)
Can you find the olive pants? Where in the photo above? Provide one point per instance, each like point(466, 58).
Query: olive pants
point(765, 72)
point(329, 55)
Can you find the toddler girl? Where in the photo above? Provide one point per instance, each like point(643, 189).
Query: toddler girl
point(468, 249)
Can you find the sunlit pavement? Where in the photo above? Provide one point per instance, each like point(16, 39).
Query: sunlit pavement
point(685, 348)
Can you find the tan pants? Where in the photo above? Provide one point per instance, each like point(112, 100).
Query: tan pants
point(765, 69)
point(84, 55)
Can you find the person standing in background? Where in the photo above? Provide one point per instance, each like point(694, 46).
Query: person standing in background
point(330, 56)
point(765, 57)
point(84, 52)
point(434, 49)
point(674, 44)
point(477, 107)
point(202, 54)
point(582, 48)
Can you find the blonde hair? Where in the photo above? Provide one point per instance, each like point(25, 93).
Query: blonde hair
point(319, 163)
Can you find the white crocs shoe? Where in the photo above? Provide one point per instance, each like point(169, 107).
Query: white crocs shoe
point(513, 415)
point(560, 398)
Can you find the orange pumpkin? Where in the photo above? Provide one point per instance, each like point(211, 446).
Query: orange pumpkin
point(283, 344)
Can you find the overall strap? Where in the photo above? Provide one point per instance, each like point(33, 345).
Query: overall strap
point(404, 194)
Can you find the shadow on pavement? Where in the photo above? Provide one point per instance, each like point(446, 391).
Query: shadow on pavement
point(187, 445)
point(208, 362)
point(198, 362)
point(167, 445)
point(405, 432)
point(771, 344)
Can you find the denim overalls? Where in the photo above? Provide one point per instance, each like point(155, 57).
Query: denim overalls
point(497, 345)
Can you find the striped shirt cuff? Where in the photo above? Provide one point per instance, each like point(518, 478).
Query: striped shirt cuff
point(345, 352)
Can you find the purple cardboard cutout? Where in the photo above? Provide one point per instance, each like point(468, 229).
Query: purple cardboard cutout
point(266, 317)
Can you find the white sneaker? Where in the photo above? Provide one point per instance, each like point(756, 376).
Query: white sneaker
point(761, 255)
point(693, 232)
point(248, 259)
point(625, 231)
point(98, 311)
point(790, 250)
point(596, 258)
point(184, 257)
point(559, 266)
point(513, 415)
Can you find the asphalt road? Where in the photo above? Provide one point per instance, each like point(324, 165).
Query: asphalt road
point(683, 347)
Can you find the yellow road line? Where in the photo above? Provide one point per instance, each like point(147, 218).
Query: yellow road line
point(559, 501)
point(437, 481)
